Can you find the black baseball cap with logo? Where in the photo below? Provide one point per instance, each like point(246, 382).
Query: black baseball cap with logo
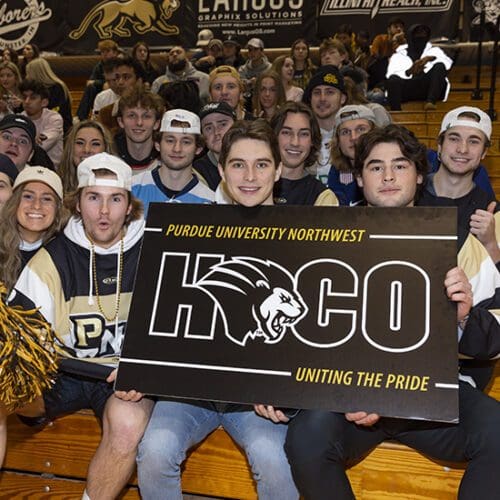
point(19, 121)
point(217, 107)
point(326, 75)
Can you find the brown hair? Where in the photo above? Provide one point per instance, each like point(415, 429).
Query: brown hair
point(107, 45)
point(138, 96)
point(258, 129)
point(309, 68)
point(280, 98)
point(67, 169)
point(10, 238)
point(410, 146)
point(331, 43)
point(278, 121)
point(279, 62)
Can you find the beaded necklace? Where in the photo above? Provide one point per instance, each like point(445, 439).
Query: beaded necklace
point(118, 282)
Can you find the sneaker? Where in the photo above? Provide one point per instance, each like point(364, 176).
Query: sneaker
point(429, 106)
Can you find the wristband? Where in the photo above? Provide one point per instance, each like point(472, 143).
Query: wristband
point(463, 322)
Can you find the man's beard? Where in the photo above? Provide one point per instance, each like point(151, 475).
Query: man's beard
point(178, 66)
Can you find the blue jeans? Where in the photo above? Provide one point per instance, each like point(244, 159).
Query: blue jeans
point(177, 426)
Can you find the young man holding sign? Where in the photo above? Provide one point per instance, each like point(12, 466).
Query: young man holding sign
point(390, 166)
point(249, 164)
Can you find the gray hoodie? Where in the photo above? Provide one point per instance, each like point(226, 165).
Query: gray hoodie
point(189, 73)
point(248, 70)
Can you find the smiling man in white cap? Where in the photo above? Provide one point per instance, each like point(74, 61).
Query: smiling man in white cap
point(174, 181)
point(463, 142)
point(82, 282)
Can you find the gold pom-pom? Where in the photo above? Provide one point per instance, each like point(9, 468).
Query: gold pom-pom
point(28, 361)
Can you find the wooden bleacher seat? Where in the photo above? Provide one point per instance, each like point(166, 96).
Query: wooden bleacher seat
point(52, 464)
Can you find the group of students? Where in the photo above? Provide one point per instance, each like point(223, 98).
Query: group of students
point(70, 242)
point(82, 269)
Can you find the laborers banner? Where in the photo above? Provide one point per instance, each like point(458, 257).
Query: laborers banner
point(303, 307)
point(77, 27)
point(372, 15)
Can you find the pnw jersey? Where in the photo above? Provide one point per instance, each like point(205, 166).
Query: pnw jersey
point(481, 337)
point(77, 291)
point(305, 191)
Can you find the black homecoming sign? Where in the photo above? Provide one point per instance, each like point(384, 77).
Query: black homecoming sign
point(299, 307)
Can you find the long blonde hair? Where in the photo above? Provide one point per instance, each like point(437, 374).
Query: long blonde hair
point(67, 169)
point(10, 238)
point(39, 69)
point(12, 67)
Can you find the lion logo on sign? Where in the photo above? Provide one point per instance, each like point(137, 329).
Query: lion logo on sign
point(110, 16)
point(271, 303)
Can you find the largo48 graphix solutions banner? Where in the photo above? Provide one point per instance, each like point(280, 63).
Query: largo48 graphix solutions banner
point(277, 22)
point(303, 307)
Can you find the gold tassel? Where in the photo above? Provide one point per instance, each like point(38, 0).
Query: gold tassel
point(28, 361)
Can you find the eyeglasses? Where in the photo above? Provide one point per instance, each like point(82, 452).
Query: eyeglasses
point(22, 141)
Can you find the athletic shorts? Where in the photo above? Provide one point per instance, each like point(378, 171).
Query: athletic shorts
point(71, 393)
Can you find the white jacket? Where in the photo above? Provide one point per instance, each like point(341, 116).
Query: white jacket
point(400, 62)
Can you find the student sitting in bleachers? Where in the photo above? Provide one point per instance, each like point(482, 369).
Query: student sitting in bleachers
point(59, 96)
point(48, 123)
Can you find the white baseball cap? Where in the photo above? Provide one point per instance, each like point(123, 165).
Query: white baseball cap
point(256, 43)
point(40, 174)
point(354, 112)
point(454, 119)
point(204, 36)
point(87, 177)
point(180, 115)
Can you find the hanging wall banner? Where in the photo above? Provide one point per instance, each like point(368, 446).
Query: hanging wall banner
point(372, 15)
point(77, 27)
point(20, 21)
point(302, 307)
point(277, 22)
